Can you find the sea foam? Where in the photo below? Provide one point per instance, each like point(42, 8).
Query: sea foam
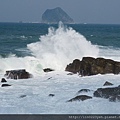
point(60, 46)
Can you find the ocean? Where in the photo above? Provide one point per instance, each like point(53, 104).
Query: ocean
point(35, 46)
point(60, 44)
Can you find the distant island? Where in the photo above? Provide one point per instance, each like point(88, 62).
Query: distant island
point(53, 16)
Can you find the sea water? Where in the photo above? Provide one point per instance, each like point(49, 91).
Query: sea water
point(36, 46)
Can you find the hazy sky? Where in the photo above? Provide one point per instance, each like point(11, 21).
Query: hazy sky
point(82, 11)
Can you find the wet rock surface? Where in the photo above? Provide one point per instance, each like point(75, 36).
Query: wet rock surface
point(3, 80)
point(84, 90)
point(5, 85)
point(80, 98)
point(18, 74)
point(113, 94)
point(93, 66)
point(115, 98)
point(48, 70)
point(22, 96)
point(51, 95)
point(107, 84)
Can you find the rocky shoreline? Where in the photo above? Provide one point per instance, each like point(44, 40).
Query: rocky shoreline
point(86, 67)
point(93, 66)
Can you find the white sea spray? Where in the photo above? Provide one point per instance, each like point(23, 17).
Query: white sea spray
point(61, 46)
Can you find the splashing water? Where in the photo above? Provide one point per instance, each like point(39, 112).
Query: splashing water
point(12, 62)
point(61, 46)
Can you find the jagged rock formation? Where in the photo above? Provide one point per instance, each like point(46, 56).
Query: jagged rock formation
point(84, 90)
point(93, 66)
point(48, 70)
point(3, 80)
point(18, 74)
point(107, 83)
point(80, 98)
point(55, 15)
point(113, 94)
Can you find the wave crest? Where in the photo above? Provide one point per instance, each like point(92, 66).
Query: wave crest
point(60, 46)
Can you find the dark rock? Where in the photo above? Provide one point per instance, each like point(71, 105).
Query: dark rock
point(117, 68)
point(70, 74)
point(22, 96)
point(18, 74)
point(89, 60)
point(107, 92)
point(80, 98)
point(49, 78)
point(91, 66)
point(56, 15)
point(51, 95)
point(3, 80)
point(107, 83)
point(74, 67)
point(83, 90)
point(5, 85)
point(48, 70)
point(114, 98)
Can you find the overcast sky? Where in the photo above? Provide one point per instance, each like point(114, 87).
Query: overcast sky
point(82, 11)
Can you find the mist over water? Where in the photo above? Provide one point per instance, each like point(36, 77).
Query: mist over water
point(61, 46)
